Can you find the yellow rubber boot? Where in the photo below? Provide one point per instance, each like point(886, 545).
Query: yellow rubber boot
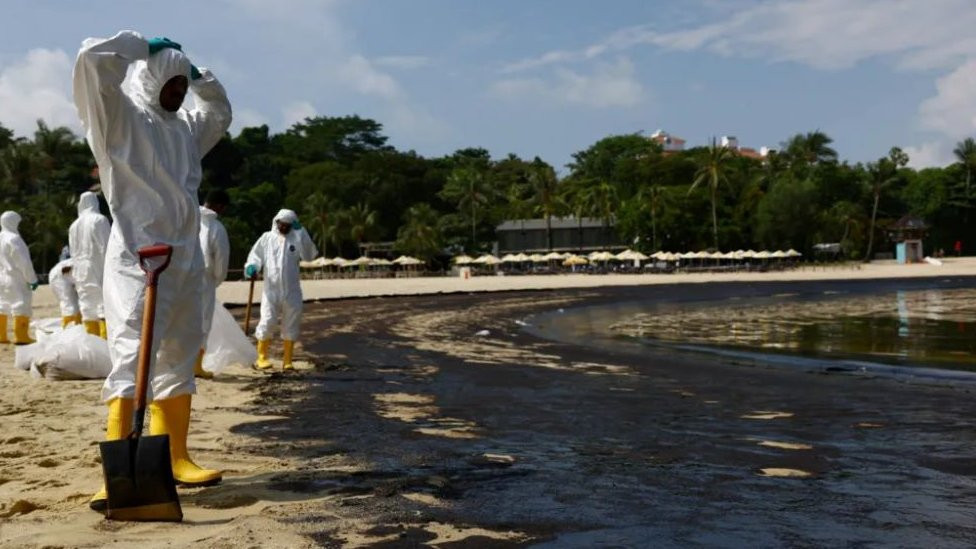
point(92, 327)
point(117, 427)
point(198, 370)
point(21, 326)
point(76, 319)
point(3, 329)
point(171, 416)
point(102, 329)
point(289, 350)
point(66, 321)
point(263, 363)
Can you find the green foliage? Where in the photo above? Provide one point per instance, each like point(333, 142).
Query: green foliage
point(350, 186)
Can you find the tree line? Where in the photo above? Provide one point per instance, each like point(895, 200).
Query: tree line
point(351, 187)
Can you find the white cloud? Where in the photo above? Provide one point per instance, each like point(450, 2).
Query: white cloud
point(37, 86)
point(825, 34)
point(248, 118)
point(930, 155)
point(609, 85)
point(952, 111)
point(297, 111)
point(360, 73)
point(404, 62)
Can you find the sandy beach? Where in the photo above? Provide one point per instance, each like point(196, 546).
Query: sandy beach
point(402, 427)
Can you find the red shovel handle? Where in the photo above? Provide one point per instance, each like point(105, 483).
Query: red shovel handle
point(150, 252)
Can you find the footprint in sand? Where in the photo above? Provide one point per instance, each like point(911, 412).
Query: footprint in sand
point(19, 507)
point(48, 462)
point(12, 454)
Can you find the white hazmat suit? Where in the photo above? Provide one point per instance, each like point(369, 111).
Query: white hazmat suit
point(88, 239)
point(216, 255)
point(64, 286)
point(279, 255)
point(149, 162)
point(16, 270)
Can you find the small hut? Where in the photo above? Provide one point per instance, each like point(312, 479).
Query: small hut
point(907, 234)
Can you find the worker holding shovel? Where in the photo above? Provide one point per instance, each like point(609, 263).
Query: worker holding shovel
point(148, 150)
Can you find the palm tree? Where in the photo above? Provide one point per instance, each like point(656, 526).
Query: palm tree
point(650, 197)
point(601, 199)
point(542, 178)
point(362, 222)
point(965, 152)
point(574, 197)
point(882, 173)
point(318, 214)
point(713, 172)
point(420, 234)
point(468, 186)
point(810, 148)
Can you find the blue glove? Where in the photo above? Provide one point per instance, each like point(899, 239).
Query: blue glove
point(195, 73)
point(157, 44)
point(250, 271)
point(295, 225)
point(33, 286)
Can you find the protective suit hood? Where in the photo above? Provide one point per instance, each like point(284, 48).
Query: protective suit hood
point(9, 222)
point(152, 74)
point(286, 216)
point(88, 203)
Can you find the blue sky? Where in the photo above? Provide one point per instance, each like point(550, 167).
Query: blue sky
point(545, 77)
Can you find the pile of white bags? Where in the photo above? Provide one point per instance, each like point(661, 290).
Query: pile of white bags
point(73, 353)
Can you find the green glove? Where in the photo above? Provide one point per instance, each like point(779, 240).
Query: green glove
point(157, 44)
point(195, 73)
point(250, 271)
point(295, 225)
point(33, 286)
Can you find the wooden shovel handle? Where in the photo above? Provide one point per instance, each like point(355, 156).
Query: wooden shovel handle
point(148, 325)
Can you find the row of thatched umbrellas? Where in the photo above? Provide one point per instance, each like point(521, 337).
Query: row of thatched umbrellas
point(570, 259)
point(322, 262)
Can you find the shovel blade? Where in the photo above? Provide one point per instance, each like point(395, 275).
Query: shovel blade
point(139, 480)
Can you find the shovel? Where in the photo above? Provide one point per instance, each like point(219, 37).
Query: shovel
point(138, 472)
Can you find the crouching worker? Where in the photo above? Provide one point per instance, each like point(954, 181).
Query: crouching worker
point(279, 252)
point(148, 150)
point(17, 280)
point(63, 286)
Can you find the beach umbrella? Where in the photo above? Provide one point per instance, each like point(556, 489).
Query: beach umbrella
point(407, 260)
point(487, 259)
point(307, 265)
point(522, 257)
point(566, 255)
point(510, 258)
point(792, 253)
point(380, 262)
point(626, 255)
point(601, 256)
point(573, 260)
point(463, 260)
point(687, 255)
point(360, 261)
point(763, 255)
point(553, 256)
point(716, 255)
point(537, 258)
point(592, 255)
point(778, 254)
point(749, 254)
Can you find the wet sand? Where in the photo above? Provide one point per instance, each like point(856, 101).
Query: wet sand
point(403, 427)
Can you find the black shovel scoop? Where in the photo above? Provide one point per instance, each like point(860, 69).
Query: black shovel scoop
point(138, 472)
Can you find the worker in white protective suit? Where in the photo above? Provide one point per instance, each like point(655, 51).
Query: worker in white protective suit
point(87, 240)
point(148, 150)
point(62, 282)
point(216, 256)
point(17, 280)
point(279, 252)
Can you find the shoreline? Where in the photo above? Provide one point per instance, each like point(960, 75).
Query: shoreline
point(402, 426)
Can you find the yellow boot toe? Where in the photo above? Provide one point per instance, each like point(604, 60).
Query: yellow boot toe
point(171, 416)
